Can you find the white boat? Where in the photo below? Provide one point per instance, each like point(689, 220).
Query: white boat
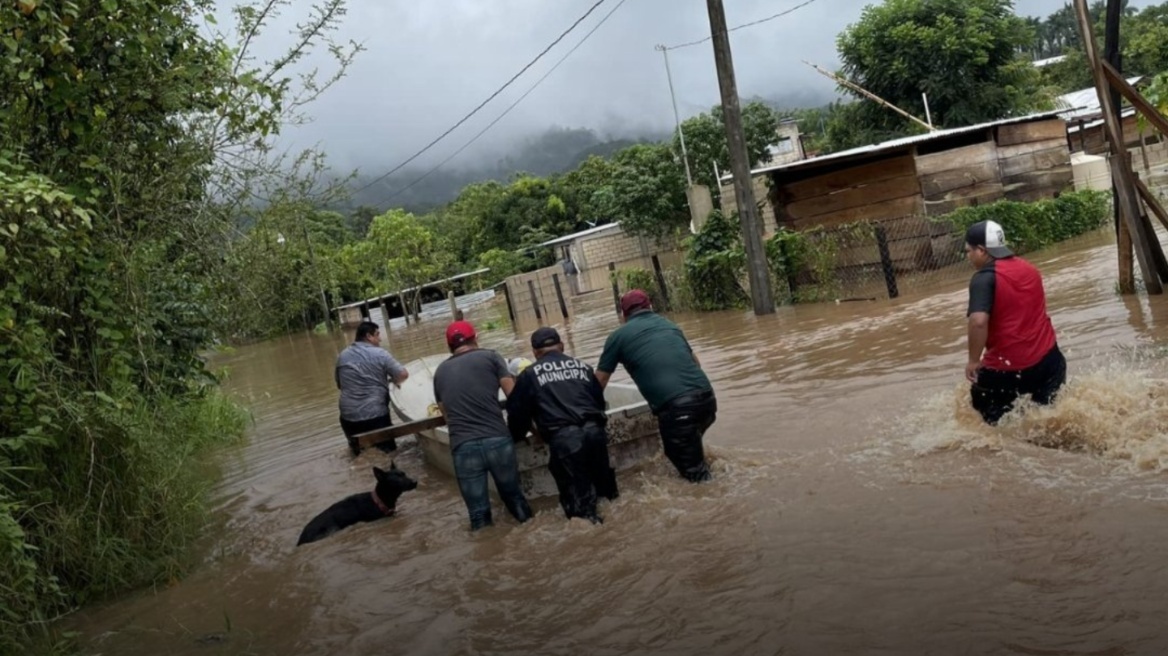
point(632, 428)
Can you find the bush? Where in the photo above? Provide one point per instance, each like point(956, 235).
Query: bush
point(1031, 226)
point(643, 279)
point(502, 264)
point(805, 261)
point(715, 264)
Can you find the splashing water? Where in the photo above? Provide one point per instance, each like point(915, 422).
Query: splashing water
point(1115, 412)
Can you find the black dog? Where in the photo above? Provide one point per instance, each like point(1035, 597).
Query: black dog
point(364, 507)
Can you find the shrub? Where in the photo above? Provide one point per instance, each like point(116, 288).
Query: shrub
point(643, 279)
point(715, 264)
point(1031, 226)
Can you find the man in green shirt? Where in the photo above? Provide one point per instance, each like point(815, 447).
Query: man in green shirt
point(665, 369)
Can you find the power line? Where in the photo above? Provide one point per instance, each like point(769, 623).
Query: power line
point(483, 103)
point(505, 111)
point(744, 25)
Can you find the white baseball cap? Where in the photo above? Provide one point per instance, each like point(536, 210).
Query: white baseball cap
point(991, 236)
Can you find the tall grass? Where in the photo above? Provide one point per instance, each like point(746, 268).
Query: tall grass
point(113, 503)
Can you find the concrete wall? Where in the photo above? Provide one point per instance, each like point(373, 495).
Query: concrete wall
point(761, 193)
point(616, 247)
point(592, 253)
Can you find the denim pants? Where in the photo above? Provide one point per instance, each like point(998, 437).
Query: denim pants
point(579, 464)
point(683, 422)
point(472, 461)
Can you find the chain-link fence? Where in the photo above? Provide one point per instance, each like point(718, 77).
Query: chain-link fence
point(863, 260)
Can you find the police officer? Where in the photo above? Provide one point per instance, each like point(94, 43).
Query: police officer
point(564, 398)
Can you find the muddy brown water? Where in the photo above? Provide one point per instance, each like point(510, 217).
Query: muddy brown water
point(858, 506)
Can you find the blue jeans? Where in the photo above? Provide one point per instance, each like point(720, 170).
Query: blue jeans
point(472, 461)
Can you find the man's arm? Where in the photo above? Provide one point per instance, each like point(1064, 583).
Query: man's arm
point(609, 358)
point(979, 332)
point(981, 301)
point(395, 372)
point(519, 407)
point(506, 380)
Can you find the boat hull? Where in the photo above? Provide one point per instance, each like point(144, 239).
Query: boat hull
point(632, 430)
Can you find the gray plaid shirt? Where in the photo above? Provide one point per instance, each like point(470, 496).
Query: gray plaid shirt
point(363, 374)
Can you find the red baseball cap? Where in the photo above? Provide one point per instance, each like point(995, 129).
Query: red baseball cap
point(634, 300)
point(459, 333)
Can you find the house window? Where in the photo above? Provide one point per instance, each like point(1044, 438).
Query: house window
point(784, 146)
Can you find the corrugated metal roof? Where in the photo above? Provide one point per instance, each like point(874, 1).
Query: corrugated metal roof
point(1084, 102)
point(577, 235)
point(895, 144)
point(1040, 63)
point(431, 283)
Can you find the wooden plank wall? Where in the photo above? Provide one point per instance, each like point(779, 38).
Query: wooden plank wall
point(960, 177)
point(1093, 141)
point(1034, 159)
point(875, 191)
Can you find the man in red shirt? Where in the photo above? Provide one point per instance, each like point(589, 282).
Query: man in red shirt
point(1012, 347)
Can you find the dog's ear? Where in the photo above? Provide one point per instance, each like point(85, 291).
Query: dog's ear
point(392, 466)
point(379, 473)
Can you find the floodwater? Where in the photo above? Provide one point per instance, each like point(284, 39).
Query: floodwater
point(859, 507)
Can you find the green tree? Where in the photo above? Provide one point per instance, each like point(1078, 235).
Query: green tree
point(402, 253)
point(131, 140)
point(965, 54)
point(359, 220)
point(705, 140)
point(503, 264)
point(647, 193)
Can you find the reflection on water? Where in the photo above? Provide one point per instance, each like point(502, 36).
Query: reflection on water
point(858, 506)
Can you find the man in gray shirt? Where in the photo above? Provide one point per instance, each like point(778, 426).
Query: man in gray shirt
point(363, 372)
point(466, 387)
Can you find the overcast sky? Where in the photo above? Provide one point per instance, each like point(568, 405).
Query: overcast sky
point(429, 62)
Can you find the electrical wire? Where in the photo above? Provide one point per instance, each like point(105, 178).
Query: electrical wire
point(498, 118)
point(744, 25)
point(483, 103)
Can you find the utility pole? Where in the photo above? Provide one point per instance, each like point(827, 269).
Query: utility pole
point(676, 117)
point(756, 263)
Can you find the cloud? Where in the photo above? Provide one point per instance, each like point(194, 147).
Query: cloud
point(428, 63)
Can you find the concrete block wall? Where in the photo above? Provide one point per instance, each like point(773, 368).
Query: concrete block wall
point(761, 197)
point(620, 249)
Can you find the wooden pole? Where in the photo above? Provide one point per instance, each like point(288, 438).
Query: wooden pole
point(1123, 236)
point(886, 261)
point(401, 297)
point(661, 281)
point(507, 296)
point(615, 287)
point(560, 295)
point(1121, 174)
point(453, 305)
point(875, 98)
point(1152, 202)
point(756, 263)
point(534, 300)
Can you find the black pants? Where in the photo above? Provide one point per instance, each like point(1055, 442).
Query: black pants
point(683, 422)
point(995, 392)
point(580, 466)
point(354, 428)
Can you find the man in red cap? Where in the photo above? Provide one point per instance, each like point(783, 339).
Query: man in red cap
point(466, 387)
point(666, 371)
